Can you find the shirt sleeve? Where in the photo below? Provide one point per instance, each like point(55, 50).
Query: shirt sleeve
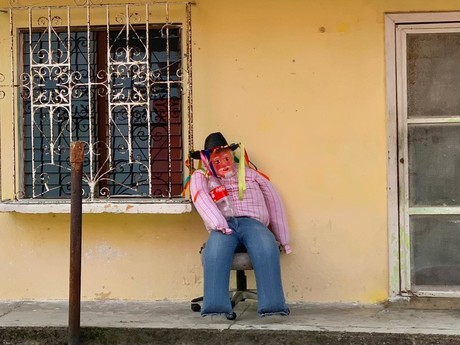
point(206, 207)
point(277, 214)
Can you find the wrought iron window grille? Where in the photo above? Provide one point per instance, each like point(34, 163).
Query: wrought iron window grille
point(117, 77)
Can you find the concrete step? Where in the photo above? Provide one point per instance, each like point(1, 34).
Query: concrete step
point(142, 323)
point(168, 336)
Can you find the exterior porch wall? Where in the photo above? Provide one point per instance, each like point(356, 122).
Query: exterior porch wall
point(302, 85)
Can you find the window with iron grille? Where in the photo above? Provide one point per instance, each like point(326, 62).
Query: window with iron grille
point(121, 84)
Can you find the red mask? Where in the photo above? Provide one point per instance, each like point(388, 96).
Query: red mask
point(222, 162)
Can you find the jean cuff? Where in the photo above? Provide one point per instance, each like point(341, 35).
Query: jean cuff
point(283, 313)
point(217, 314)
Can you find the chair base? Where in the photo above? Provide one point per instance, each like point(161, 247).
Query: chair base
point(236, 296)
point(196, 307)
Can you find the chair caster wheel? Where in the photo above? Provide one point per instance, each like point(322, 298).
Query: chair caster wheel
point(232, 317)
point(196, 307)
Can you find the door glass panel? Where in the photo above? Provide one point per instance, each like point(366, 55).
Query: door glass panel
point(435, 250)
point(433, 87)
point(434, 165)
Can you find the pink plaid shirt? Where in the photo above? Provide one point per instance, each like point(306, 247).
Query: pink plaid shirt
point(261, 201)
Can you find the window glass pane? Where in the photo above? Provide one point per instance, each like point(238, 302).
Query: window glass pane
point(433, 61)
point(434, 165)
point(435, 250)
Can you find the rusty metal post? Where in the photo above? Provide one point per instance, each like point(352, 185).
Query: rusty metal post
point(76, 160)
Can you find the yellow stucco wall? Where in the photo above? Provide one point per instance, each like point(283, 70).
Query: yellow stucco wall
point(301, 84)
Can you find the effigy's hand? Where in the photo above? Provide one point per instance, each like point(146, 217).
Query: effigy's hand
point(287, 249)
point(284, 248)
point(225, 231)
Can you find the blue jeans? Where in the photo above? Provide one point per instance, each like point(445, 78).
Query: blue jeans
point(217, 259)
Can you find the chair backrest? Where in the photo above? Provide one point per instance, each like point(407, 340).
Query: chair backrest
point(241, 262)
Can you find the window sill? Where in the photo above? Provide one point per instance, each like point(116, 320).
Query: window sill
point(131, 206)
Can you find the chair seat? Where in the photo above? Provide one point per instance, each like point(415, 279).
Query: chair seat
point(241, 262)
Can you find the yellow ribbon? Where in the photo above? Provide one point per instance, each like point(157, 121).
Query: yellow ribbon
point(241, 173)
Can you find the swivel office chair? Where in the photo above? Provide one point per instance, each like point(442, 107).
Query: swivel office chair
point(241, 263)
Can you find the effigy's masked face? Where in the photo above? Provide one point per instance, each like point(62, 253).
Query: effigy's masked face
point(222, 162)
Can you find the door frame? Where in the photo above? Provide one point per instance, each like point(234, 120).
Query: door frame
point(398, 283)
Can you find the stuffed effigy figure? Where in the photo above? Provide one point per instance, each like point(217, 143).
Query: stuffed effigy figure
point(242, 212)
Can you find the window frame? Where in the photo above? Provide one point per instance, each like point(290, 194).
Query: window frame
point(14, 203)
